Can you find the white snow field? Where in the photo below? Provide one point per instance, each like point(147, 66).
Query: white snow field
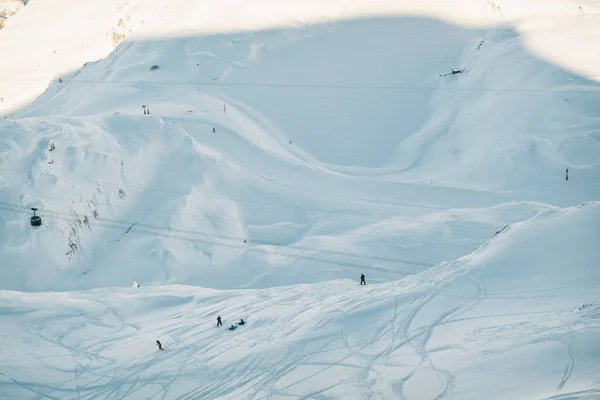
point(290, 147)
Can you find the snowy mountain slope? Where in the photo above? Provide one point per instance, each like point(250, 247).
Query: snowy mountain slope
point(262, 176)
point(341, 145)
point(503, 322)
point(430, 127)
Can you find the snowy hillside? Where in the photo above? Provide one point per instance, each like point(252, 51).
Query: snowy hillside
point(503, 322)
point(288, 148)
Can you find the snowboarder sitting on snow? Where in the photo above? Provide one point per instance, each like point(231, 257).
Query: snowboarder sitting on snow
point(159, 345)
point(232, 327)
point(241, 322)
point(219, 321)
point(362, 279)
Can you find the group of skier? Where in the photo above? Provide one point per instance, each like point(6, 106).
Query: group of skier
point(232, 327)
point(242, 322)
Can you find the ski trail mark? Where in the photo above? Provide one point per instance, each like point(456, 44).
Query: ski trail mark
point(568, 368)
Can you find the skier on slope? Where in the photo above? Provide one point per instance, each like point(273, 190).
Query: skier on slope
point(159, 345)
point(362, 279)
point(219, 323)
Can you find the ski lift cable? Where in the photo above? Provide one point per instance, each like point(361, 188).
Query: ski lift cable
point(211, 217)
point(130, 225)
point(232, 246)
point(313, 86)
point(127, 224)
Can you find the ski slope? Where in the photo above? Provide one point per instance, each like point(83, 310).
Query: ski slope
point(502, 322)
point(290, 147)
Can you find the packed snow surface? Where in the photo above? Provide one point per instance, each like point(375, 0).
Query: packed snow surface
point(252, 159)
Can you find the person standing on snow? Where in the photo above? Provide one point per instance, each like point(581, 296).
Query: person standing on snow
point(219, 321)
point(362, 279)
point(159, 345)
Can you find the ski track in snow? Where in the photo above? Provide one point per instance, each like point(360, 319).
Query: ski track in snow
point(391, 332)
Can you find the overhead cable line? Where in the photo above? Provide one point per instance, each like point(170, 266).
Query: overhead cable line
point(246, 222)
point(310, 86)
point(127, 224)
point(132, 228)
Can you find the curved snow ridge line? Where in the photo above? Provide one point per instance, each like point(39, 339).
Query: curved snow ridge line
point(248, 117)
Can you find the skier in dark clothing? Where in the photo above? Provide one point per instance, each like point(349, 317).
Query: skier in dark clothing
point(241, 322)
point(362, 279)
point(219, 321)
point(159, 345)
